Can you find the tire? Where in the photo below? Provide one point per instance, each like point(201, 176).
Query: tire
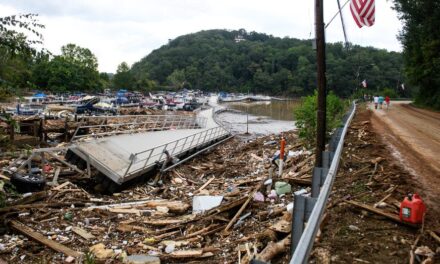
point(28, 182)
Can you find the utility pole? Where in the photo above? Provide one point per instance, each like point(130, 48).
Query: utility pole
point(320, 57)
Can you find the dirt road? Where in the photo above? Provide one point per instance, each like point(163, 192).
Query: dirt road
point(413, 134)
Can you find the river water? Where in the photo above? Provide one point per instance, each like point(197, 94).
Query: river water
point(260, 118)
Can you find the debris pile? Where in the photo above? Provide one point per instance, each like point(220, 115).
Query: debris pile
point(361, 223)
point(228, 206)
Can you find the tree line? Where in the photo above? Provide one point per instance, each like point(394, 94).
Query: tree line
point(421, 42)
point(241, 61)
point(211, 60)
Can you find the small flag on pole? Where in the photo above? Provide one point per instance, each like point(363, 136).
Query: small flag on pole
point(363, 12)
point(364, 83)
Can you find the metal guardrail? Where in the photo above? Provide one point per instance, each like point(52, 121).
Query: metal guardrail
point(305, 244)
point(174, 148)
point(143, 124)
point(226, 125)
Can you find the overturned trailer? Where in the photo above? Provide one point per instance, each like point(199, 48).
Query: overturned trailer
point(122, 155)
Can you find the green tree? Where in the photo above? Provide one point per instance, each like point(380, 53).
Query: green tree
point(305, 115)
point(420, 38)
point(213, 60)
point(76, 69)
point(123, 79)
point(16, 52)
point(177, 79)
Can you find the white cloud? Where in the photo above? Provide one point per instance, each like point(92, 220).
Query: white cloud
point(128, 30)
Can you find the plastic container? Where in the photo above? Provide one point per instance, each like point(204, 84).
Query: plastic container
point(282, 188)
point(412, 209)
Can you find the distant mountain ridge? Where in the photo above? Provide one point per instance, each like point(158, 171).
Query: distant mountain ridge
point(237, 60)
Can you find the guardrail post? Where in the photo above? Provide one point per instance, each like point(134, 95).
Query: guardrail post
point(318, 178)
point(302, 209)
point(327, 158)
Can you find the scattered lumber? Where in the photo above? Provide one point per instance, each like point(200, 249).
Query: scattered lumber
point(390, 216)
point(250, 196)
point(435, 236)
point(273, 249)
point(82, 233)
point(43, 240)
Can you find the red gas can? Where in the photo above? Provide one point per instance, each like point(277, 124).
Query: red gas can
point(412, 209)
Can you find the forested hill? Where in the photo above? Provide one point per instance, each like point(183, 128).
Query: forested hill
point(225, 60)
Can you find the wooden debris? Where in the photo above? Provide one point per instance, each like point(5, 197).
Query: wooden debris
point(237, 215)
point(186, 253)
point(392, 217)
point(435, 236)
point(273, 249)
point(130, 228)
point(43, 240)
point(282, 226)
point(206, 184)
point(163, 222)
point(101, 252)
point(82, 233)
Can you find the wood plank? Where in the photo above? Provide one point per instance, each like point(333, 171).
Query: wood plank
point(82, 233)
point(43, 240)
point(186, 253)
point(434, 235)
point(393, 217)
point(249, 198)
point(206, 184)
point(298, 181)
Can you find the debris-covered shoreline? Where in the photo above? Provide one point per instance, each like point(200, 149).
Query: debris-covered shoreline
point(252, 215)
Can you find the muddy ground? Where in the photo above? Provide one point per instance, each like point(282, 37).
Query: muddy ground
point(353, 235)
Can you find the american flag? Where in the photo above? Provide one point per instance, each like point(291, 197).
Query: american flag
point(364, 83)
point(363, 12)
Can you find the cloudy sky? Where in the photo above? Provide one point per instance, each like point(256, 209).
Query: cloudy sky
point(128, 30)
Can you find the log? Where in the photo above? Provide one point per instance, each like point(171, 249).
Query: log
point(43, 240)
point(174, 206)
point(37, 205)
point(434, 235)
point(237, 215)
point(272, 249)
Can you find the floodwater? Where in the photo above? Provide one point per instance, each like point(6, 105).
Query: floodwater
point(276, 110)
point(260, 118)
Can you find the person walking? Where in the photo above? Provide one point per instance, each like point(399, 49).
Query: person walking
point(387, 101)
point(376, 101)
point(381, 99)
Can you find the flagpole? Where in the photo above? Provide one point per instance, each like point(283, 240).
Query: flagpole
point(320, 57)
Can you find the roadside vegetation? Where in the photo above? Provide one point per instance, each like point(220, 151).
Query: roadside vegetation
point(420, 39)
point(305, 116)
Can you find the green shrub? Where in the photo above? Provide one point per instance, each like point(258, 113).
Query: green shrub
point(305, 116)
point(389, 92)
